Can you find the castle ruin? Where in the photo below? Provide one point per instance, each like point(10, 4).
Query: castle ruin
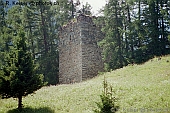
point(79, 55)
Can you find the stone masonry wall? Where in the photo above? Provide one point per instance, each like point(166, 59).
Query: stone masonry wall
point(79, 54)
point(70, 54)
point(91, 53)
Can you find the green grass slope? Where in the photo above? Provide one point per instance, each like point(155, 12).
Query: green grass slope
point(139, 88)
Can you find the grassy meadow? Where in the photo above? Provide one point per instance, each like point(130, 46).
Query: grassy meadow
point(141, 88)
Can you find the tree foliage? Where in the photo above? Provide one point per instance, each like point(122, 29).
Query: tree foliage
point(113, 42)
point(18, 76)
point(108, 100)
point(135, 31)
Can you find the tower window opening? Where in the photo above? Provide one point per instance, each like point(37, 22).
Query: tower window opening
point(70, 37)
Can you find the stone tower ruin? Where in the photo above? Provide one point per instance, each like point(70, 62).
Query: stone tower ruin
point(79, 55)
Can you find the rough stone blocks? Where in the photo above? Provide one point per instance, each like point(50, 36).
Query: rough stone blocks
point(79, 55)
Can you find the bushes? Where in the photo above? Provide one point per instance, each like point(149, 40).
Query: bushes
point(108, 101)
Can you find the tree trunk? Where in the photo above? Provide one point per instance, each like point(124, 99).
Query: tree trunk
point(118, 37)
point(19, 102)
point(44, 30)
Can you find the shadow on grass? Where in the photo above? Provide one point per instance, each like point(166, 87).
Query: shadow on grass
point(32, 110)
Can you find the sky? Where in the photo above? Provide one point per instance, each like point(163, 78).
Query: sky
point(96, 4)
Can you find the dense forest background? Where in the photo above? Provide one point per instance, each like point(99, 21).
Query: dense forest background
point(135, 31)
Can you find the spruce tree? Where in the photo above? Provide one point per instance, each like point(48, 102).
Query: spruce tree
point(18, 77)
point(112, 44)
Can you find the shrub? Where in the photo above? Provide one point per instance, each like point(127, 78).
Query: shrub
point(108, 101)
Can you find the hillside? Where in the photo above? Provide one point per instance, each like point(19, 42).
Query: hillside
point(139, 88)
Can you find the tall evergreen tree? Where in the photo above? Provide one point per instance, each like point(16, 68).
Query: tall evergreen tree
point(6, 32)
point(40, 24)
point(18, 77)
point(155, 16)
point(48, 60)
point(113, 42)
point(138, 32)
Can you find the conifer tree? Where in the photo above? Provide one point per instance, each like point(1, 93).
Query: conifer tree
point(112, 44)
point(155, 20)
point(18, 76)
point(40, 24)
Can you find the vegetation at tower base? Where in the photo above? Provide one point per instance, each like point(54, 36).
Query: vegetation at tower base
point(18, 76)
